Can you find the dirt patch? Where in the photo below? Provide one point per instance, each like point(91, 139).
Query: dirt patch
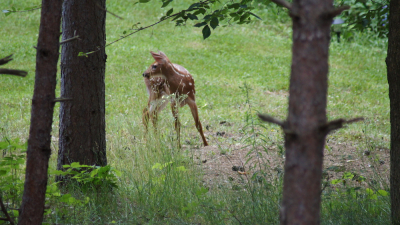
point(277, 93)
point(241, 163)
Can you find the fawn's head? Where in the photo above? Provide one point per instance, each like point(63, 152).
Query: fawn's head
point(157, 67)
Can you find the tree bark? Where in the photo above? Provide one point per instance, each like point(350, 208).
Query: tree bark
point(306, 125)
point(393, 74)
point(39, 151)
point(82, 120)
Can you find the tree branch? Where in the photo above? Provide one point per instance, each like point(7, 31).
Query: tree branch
point(29, 9)
point(3, 208)
point(20, 73)
point(109, 12)
point(270, 119)
point(336, 11)
point(62, 99)
point(6, 59)
point(70, 39)
point(283, 3)
point(339, 123)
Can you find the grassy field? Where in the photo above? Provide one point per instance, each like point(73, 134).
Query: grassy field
point(239, 70)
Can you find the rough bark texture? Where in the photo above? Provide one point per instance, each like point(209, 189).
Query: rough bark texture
point(38, 153)
point(82, 120)
point(393, 74)
point(304, 133)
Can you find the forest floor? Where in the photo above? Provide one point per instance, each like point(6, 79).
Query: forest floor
point(243, 163)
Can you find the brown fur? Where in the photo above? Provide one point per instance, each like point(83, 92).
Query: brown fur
point(162, 79)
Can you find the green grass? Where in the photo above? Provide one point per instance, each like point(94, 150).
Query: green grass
point(259, 55)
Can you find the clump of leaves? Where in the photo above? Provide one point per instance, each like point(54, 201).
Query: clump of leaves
point(239, 12)
point(358, 191)
point(11, 166)
point(89, 177)
point(366, 15)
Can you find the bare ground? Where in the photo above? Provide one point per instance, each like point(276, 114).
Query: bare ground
point(243, 163)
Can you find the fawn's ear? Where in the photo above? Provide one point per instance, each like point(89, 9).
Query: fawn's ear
point(163, 54)
point(160, 57)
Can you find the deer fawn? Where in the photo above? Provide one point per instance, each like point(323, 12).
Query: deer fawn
point(162, 79)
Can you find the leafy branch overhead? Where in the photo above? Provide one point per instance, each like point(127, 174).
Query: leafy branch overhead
point(232, 12)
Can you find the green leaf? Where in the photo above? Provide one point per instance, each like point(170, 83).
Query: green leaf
point(369, 191)
point(348, 175)
point(202, 191)
point(75, 165)
point(206, 32)
point(65, 198)
point(82, 54)
point(15, 212)
point(194, 5)
point(3, 144)
point(3, 172)
point(244, 17)
point(181, 168)
point(170, 11)
point(144, 1)
point(156, 166)
point(166, 3)
point(117, 173)
point(200, 11)
point(214, 22)
point(373, 197)
point(200, 24)
point(335, 181)
point(255, 15)
point(192, 16)
point(93, 173)
point(235, 6)
point(383, 193)
point(180, 15)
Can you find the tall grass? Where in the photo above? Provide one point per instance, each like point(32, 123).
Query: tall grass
point(163, 185)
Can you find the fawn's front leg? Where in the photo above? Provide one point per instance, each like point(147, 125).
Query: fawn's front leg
point(149, 114)
point(175, 112)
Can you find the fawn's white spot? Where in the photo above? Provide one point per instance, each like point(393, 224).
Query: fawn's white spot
point(190, 84)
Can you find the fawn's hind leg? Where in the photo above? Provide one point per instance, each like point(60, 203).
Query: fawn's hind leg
point(195, 113)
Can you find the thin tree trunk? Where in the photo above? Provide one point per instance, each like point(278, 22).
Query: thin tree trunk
point(39, 151)
point(306, 126)
point(82, 120)
point(393, 74)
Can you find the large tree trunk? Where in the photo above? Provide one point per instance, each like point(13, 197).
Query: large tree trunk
point(306, 126)
point(39, 151)
point(393, 74)
point(82, 120)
